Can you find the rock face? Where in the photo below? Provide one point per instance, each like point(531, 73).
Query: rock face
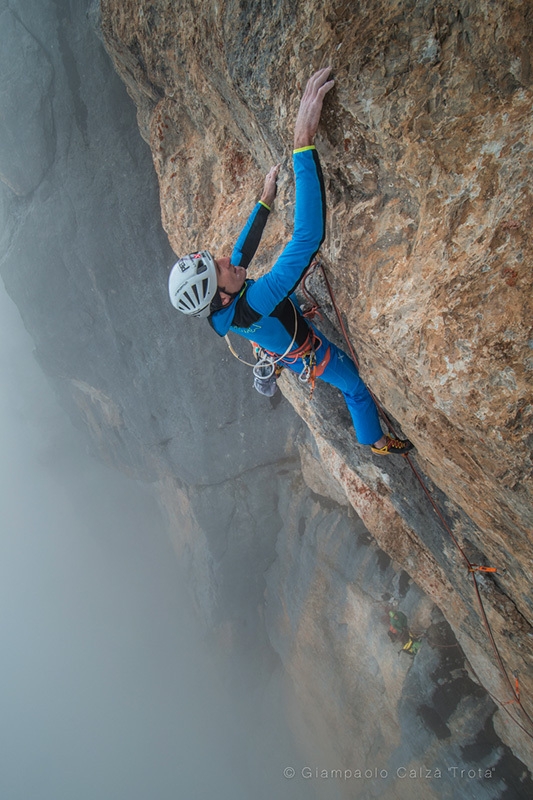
point(427, 151)
point(426, 148)
point(26, 128)
point(426, 145)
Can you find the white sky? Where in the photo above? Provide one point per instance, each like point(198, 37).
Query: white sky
point(107, 691)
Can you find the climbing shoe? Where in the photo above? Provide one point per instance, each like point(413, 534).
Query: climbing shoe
point(398, 447)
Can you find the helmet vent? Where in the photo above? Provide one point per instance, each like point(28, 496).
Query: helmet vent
point(188, 300)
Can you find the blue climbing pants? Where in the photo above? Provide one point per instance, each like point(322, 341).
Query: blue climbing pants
point(342, 373)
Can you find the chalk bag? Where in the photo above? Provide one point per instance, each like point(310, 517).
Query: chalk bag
point(265, 377)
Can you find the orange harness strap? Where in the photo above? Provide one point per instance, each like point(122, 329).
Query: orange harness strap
point(319, 369)
point(312, 343)
point(309, 347)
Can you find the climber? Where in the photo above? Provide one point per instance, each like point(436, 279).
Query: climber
point(266, 310)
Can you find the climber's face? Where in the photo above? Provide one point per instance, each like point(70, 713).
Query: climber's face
point(230, 279)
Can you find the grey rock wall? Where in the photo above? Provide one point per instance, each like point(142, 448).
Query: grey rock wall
point(26, 124)
point(86, 254)
point(406, 724)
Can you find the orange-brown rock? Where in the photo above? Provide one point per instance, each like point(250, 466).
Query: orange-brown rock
point(426, 145)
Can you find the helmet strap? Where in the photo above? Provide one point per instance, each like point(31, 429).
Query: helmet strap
point(232, 295)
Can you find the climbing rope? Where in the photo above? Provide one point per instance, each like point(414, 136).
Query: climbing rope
point(473, 569)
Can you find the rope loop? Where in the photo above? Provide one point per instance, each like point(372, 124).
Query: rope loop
point(264, 368)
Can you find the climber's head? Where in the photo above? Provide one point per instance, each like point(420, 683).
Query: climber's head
point(198, 284)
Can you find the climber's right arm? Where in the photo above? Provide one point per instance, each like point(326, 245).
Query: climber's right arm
point(308, 234)
point(310, 208)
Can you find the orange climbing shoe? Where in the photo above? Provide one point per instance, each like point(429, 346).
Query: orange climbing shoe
point(398, 447)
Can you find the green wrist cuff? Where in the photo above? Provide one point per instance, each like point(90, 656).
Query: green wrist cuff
point(265, 205)
point(302, 149)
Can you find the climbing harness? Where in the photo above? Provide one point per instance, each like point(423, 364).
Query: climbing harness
point(265, 368)
point(312, 369)
point(473, 569)
point(268, 365)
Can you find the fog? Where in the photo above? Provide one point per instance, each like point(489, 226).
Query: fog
point(109, 688)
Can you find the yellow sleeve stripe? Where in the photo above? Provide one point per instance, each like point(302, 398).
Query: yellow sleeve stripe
point(302, 149)
point(265, 205)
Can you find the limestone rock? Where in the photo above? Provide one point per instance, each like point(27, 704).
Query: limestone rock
point(426, 144)
point(280, 567)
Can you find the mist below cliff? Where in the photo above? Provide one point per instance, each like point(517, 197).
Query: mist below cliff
point(110, 688)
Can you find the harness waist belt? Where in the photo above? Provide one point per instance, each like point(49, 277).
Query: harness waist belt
point(304, 350)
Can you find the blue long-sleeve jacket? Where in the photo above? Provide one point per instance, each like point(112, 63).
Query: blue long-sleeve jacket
point(262, 311)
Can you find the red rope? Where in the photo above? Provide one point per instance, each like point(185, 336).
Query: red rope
point(472, 568)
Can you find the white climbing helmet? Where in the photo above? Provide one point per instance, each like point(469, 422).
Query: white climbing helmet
point(192, 284)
